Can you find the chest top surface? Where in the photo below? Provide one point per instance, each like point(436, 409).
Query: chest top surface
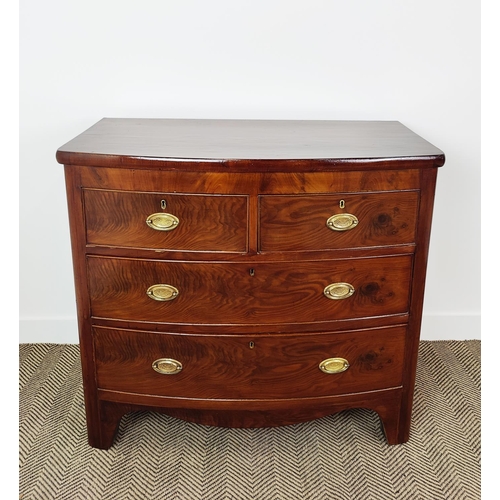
point(249, 145)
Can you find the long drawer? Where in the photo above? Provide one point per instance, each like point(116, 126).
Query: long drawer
point(219, 367)
point(343, 220)
point(167, 221)
point(244, 293)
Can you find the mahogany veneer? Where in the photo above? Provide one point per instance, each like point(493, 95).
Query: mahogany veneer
point(249, 273)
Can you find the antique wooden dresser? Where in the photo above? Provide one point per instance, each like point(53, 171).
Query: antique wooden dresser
point(249, 273)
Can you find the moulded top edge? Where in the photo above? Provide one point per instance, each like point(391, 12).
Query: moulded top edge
point(229, 142)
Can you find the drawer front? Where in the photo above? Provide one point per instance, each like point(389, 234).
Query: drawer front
point(216, 223)
point(319, 222)
point(278, 366)
point(238, 293)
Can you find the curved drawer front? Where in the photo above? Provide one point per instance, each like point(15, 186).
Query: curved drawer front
point(262, 367)
point(167, 221)
point(238, 293)
point(327, 222)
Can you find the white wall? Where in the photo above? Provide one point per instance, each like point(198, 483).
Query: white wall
point(417, 62)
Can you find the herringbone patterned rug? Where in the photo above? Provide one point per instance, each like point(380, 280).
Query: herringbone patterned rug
point(343, 456)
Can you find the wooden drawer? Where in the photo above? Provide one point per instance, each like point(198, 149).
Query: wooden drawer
point(216, 223)
point(278, 366)
point(299, 223)
point(245, 293)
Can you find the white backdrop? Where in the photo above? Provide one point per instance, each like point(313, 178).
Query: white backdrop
point(417, 62)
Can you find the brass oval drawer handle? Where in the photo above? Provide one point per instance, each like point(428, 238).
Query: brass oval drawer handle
point(342, 222)
point(162, 292)
point(167, 366)
point(334, 365)
point(162, 221)
point(339, 291)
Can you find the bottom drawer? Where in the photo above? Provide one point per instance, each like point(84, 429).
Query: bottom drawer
point(248, 367)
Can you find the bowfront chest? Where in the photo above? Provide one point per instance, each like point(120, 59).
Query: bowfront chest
point(249, 273)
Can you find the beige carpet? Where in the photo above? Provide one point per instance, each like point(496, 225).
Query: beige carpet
point(343, 456)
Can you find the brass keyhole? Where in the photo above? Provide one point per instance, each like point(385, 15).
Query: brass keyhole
point(252, 272)
point(342, 204)
point(163, 204)
point(251, 344)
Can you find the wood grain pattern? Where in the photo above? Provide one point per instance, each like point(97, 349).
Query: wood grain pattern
point(338, 181)
point(207, 223)
point(298, 223)
point(277, 367)
point(227, 293)
point(199, 181)
point(241, 145)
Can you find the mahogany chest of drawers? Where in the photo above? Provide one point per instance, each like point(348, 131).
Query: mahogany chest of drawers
point(249, 273)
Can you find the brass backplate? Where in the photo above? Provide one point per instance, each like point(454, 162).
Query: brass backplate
point(339, 291)
point(162, 292)
point(167, 366)
point(162, 221)
point(334, 365)
point(342, 222)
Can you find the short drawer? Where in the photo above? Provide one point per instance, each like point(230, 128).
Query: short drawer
point(167, 221)
point(278, 366)
point(345, 220)
point(219, 293)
